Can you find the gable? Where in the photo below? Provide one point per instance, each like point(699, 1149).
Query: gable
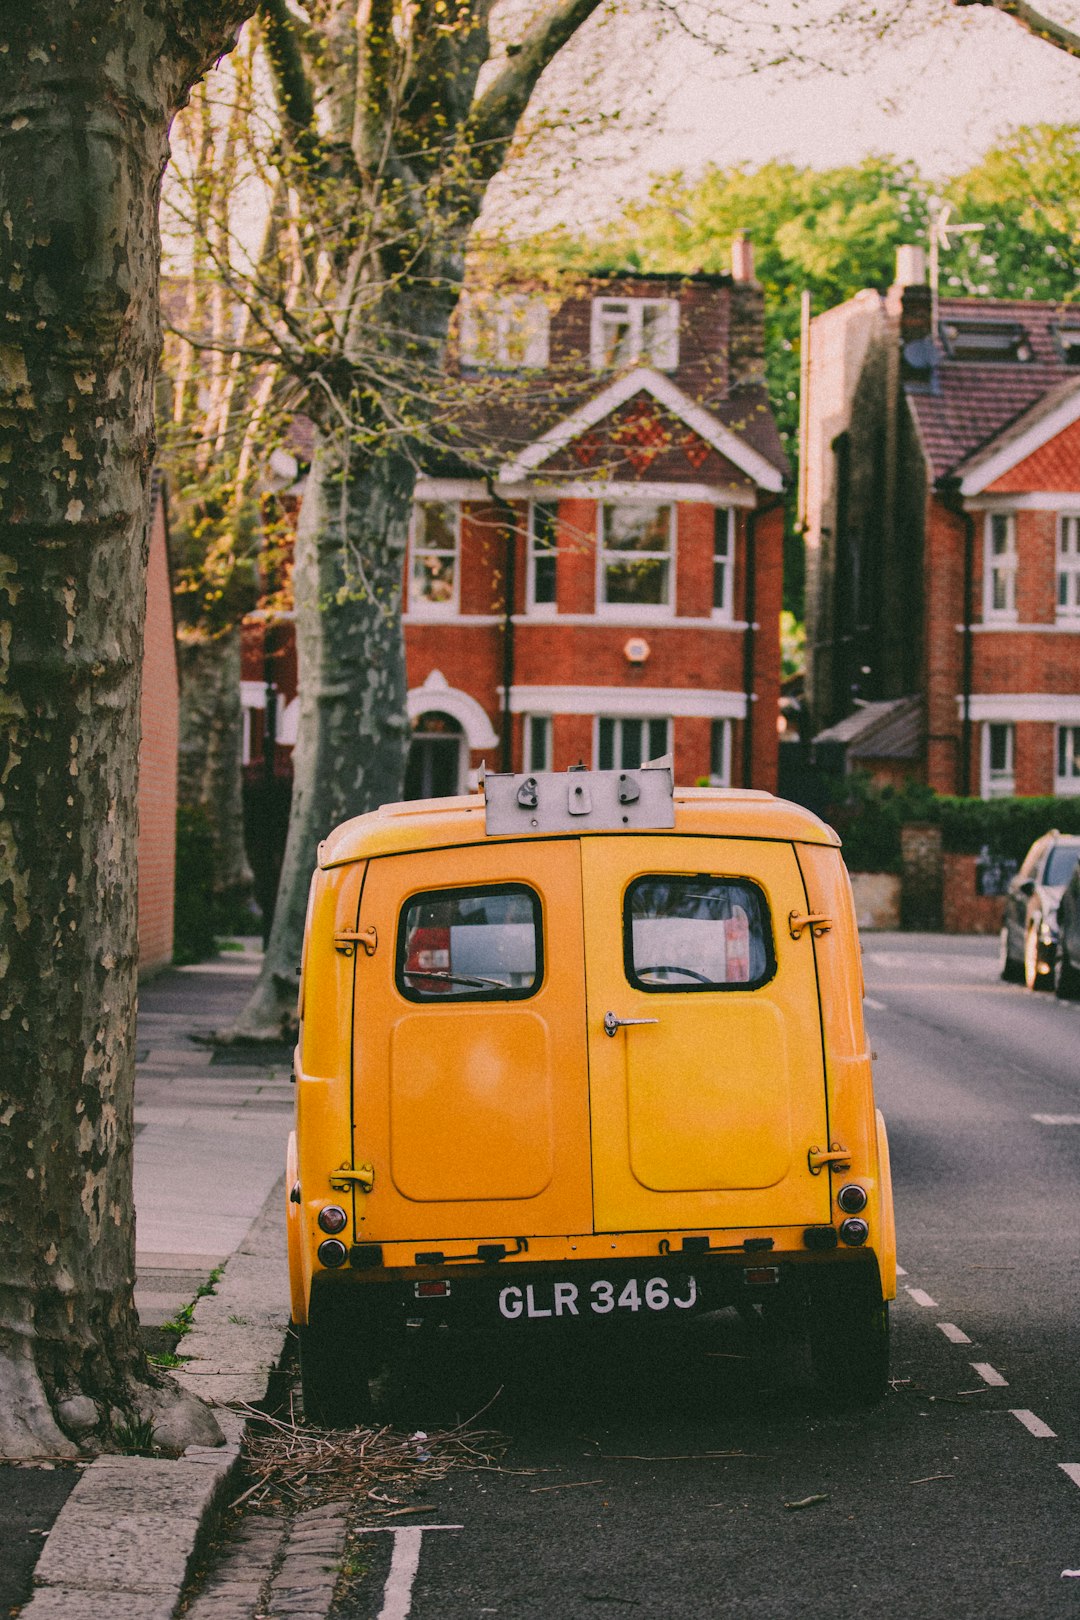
point(642, 441)
point(1054, 466)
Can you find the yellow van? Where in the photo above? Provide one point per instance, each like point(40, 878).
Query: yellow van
point(583, 1047)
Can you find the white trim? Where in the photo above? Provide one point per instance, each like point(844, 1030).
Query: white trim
point(1037, 501)
point(581, 489)
point(984, 469)
point(669, 621)
point(644, 380)
point(253, 694)
point(637, 304)
point(1060, 627)
point(452, 618)
point(1058, 707)
point(639, 702)
point(437, 696)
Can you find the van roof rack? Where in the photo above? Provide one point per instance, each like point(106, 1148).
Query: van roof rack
point(580, 801)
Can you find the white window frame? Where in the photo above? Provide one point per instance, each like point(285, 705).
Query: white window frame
point(726, 560)
point(419, 604)
point(620, 722)
point(1067, 781)
point(999, 564)
point(634, 612)
point(1068, 570)
point(503, 331)
point(531, 604)
point(537, 743)
point(660, 351)
point(998, 782)
point(721, 778)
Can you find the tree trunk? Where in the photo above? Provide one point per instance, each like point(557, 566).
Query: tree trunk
point(211, 746)
point(86, 94)
point(353, 731)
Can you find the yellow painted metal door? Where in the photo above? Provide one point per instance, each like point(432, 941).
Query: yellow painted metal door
point(705, 1100)
point(470, 1080)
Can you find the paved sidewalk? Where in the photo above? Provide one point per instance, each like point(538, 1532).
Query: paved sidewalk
point(211, 1129)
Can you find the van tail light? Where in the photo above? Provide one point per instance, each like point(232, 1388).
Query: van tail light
point(854, 1232)
point(333, 1219)
point(332, 1253)
point(852, 1198)
point(431, 1290)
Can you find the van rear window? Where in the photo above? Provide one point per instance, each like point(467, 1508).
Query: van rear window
point(697, 933)
point(470, 944)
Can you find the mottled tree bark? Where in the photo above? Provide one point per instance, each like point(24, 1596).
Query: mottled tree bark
point(353, 732)
point(87, 90)
point(211, 731)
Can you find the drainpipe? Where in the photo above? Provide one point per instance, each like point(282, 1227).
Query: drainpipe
point(750, 636)
point(508, 525)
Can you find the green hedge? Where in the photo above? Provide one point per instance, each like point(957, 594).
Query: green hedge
point(193, 912)
point(869, 819)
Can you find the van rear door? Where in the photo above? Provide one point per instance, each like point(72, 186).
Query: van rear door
point(470, 1071)
point(707, 1078)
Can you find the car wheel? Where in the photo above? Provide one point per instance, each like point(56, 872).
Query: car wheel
point(335, 1361)
point(1066, 977)
point(849, 1339)
point(1034, 957)
point(1011, 969)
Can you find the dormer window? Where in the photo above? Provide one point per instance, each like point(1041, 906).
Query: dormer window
point(503, 331)
point(1067, 343)
point(985, 340)
point(635, 331)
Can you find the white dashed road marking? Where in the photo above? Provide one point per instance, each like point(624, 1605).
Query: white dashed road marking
point(1073, 1471)
point(1056, 1119)
point(921, 1297)
point(878, 1006)
point(397, 1593)
point(954, 1334)
point(990, 1375)
point(1033, 1424)
point(900, 1272)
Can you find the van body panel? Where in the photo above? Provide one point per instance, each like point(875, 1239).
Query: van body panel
point(703, 1115)
point(473, 1113)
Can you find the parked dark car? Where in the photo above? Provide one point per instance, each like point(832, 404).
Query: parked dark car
point(1029, 928)
point(1067, 959)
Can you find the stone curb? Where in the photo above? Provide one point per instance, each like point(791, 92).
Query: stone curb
point(127, 1538)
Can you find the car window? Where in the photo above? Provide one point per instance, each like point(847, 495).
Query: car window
point(1060, 865)
point(696, 933)
point(470, 944)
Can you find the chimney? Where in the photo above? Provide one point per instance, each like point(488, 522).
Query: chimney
point(910, 266)
point(909, 296)
point(742, 257)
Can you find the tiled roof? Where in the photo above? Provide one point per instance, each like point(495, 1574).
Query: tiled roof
point(887, 730)
point(977, 400)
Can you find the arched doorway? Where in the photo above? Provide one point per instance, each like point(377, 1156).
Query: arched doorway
point(436, 764)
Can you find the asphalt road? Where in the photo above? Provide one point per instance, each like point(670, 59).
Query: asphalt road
point(702, 1474)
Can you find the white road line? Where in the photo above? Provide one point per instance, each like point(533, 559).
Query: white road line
point(900, 1272)
point(954, 1334)
point(990, 1375)
point(921, 1297)
point(878, 1006)
point(1056, 1119)
point(397, 1593)
point(1073, 1471)
point(1033, 1424)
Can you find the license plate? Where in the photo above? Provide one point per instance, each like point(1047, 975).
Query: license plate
point(627, 1296)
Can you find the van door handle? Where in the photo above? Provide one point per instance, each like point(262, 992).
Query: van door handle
point(613, 1024)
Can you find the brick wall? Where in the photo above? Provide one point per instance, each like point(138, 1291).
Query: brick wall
point(158, 759)
point(963, 910)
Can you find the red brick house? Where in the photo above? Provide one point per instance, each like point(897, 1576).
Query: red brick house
point(158, 751)
point(942, 508)
point(613, 594)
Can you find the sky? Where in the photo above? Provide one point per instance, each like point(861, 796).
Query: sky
point(940, 90)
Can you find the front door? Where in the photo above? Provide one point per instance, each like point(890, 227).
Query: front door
point(470, 1087)
point(707, 1081)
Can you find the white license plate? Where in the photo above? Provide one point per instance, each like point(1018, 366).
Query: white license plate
point(628, 1296)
